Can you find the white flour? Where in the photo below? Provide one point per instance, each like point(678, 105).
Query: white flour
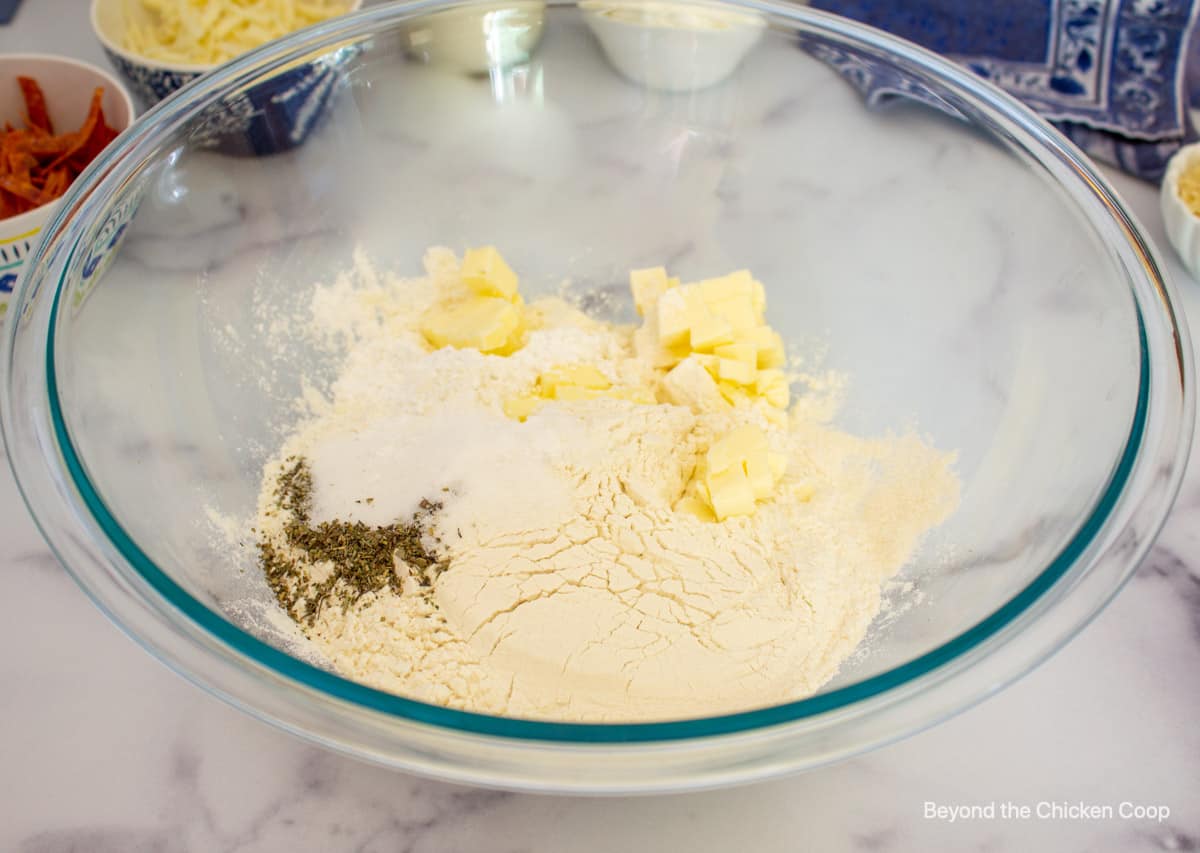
point(574, 591)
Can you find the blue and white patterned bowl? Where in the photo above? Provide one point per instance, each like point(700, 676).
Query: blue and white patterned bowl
point(272, 116)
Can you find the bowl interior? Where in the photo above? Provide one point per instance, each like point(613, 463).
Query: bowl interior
point(929, 257)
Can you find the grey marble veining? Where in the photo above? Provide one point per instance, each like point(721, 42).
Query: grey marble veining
point(103, 750)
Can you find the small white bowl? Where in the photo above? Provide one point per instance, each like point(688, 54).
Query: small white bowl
point(68, 85)
point(674, 47)
point(1183, 226)
point(475, 39)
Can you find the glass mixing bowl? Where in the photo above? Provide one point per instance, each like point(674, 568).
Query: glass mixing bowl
point(951, 253)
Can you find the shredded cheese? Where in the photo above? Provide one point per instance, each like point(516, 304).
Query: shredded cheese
point(1189, 186)
point(209, 32)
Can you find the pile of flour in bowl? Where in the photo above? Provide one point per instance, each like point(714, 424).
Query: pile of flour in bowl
point(570, 588)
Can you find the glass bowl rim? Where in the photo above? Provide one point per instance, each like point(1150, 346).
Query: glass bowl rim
point(173, 112)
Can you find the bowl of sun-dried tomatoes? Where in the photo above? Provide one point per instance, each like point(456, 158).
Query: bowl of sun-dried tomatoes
point(56, 116)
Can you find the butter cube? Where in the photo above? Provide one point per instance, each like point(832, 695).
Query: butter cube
point(647, 347)
point(739, 469)
point(758, 472)
point(647, 285)
point(778, 464)
point(695, 506)
point(643, 396)
point(732, 449)
point(730, 493)
point(674, 318)
point(709, 332)
point(708, 361)
point(488, 324)
point(733, 394)
point(689, 384)
point(743, 353)
point(737, 372)
point(518, 336)
point(487, 274)
point(772, 386)
point(738, 311)
point(739, 283)
point(574, 394)
point(579, 375)
point(768, 344)
point(519, 408)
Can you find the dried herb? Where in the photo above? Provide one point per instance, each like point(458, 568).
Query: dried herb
point(363, 557)
point(293, 492)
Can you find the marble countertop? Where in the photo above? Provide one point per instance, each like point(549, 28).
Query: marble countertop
point(106, 751)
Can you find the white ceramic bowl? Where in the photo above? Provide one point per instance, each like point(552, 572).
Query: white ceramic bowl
point(68, 85)
point(1183, 226)
point(476, 39)
point(672, 47)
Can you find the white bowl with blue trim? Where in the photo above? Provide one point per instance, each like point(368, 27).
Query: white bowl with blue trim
point(68, 85)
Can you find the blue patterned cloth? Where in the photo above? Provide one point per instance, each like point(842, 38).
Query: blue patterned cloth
point(8, 10)
point(1113, 75)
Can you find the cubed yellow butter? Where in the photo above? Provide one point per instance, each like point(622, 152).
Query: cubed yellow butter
point(487, 274)
point(738, 469)
point(574, 394)
point(695, 506)
point(647, 347)
point(758, 297)
point(737, 372)
point(486, 324)
point(778, 464)
point(743, 353)
point(710, 332)
point(673, 318)
point(772, 386)
point(708, 361)
point(515, 341)
point(738, 283)
point(758, 471)
point(772, 355)
point(690, 384)
point(768, 344)
point(730, 493)
point(647, 285)
point(519, 408)
point(697, 307)
point(733, 448)
point(643, 396)
point(580, 375)
point(738, 311)
point(733, 394)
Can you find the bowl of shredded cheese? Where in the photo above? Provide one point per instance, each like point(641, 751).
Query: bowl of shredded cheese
point(608, 421)
point(1179, 199)
point(160, 46)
